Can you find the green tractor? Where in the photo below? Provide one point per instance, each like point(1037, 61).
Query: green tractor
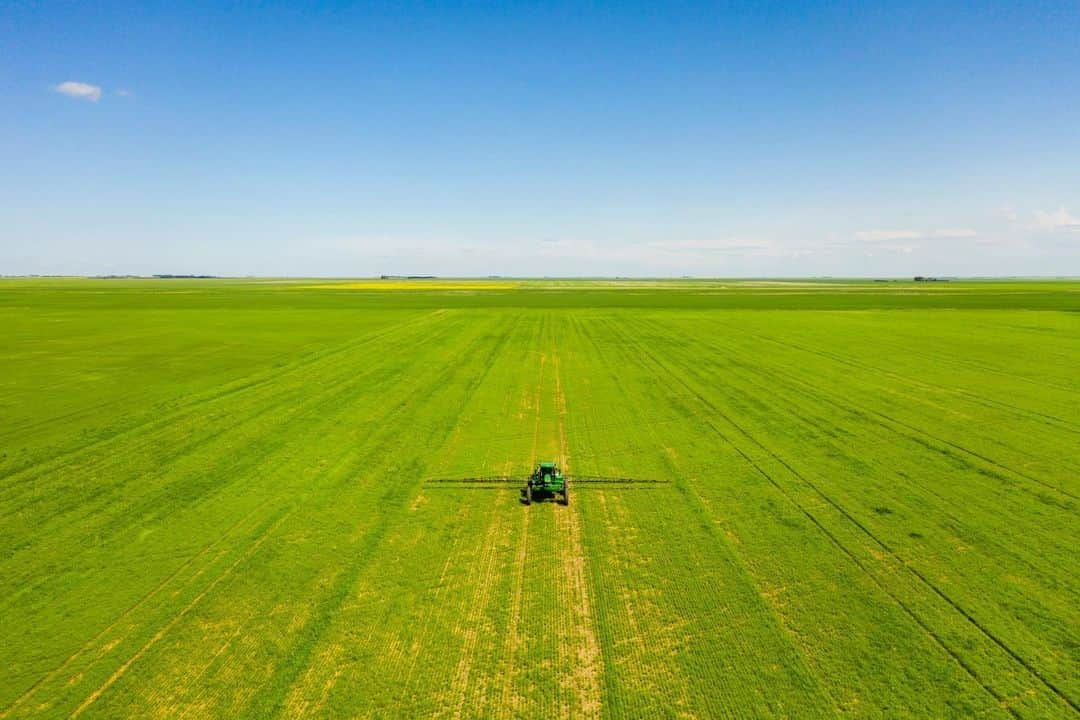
point(546, 481)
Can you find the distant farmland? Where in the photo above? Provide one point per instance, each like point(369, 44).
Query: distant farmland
point(214, 499)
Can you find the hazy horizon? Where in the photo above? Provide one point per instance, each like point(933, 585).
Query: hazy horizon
point(420, 278)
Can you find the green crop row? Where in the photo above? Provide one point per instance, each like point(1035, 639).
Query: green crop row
point(215, 502)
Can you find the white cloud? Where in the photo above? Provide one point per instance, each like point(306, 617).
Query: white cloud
point(874, 236)
point(79, 90)
point(731, 245)
point(954, 233)
point(124, 93)
point(892, 236)
point(1059, 219)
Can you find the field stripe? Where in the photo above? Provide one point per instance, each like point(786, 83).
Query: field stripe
point(200, 401)
point(131, 609)
point(817, 701)
point(886, 419)
point(294, 702)
point(586, 658)
point(165, 444)
point(802, 389)
point(394, 502)
point(310, 404)
point(1057, 422)
point(966, 363)
point(481, 581)
point(119, 672)
point(388, 409)
point(793, 401)
point(509, 702)
point(404, 656)
point(832, 537)
point(1050, 685)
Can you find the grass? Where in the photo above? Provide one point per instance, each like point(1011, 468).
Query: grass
point(214, 502)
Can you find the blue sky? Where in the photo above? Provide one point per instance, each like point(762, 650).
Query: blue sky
point(540, 139)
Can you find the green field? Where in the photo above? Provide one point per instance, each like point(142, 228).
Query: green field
point(214, 500)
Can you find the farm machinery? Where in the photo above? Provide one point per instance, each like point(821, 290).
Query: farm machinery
point(546, 482)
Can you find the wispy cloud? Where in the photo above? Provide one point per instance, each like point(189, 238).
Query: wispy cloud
point(124, 93)
point(954, 233)
point(728, 246)
point(79, 90)
point(876, 236)
point(891, 236)
point(1059, 219)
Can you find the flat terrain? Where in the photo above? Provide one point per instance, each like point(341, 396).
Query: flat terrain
point(214, 501)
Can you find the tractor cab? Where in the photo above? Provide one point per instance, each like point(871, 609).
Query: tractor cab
point(546, 481)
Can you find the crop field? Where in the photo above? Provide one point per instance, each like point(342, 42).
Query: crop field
point(215, 499)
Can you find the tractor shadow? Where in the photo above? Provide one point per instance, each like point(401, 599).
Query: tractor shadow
point(539, 497)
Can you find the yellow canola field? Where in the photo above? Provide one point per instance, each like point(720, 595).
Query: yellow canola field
point(416, 285)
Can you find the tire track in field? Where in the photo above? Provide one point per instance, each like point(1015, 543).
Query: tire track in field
point(586, 662)
point(428, 618)
point(481, 577)
point(864, 412)
point(1060, 423)
point(192, 440)
point(394, 502)
point(345, 467)
point(808, 390)
point(1028, 553)
point(487, 576)
point(53, 419)
point(697, 505)
point(173, 575)
point(883, 420)
point(179, 408)
point(428, 621)
point(127, 613)
point(707, 422)
point(175, 409)
point(465, 682)
point(926, 582)
point(119, 672)
point(886, 422)
point(618, 560)
point(310, 406)
point(509, 701)
point(372, 450)
point(963, 363)
point(867, 415)
point(429, 615)
point(198, 711)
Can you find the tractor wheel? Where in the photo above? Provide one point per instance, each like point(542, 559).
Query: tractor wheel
point(528, 494)
point(566, 494)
